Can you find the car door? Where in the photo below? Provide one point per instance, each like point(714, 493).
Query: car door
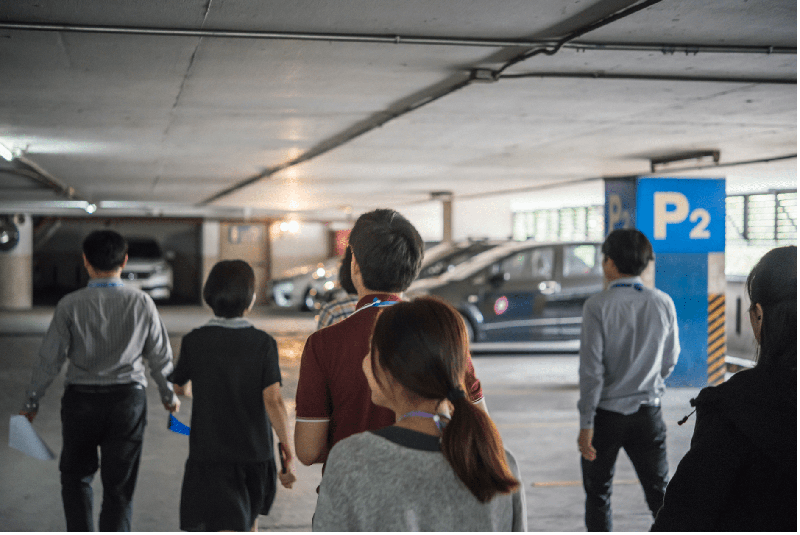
point(517, 290)
point(580, 274)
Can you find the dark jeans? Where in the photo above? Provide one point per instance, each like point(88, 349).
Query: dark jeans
point(643, 436)
point(113, 419)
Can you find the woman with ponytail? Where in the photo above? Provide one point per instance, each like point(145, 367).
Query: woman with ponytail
point(740, 473)
point(442, 466)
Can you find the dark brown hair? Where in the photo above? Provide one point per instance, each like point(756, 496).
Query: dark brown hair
point(229, 288)
point(773, 284)
point(630, 250)
point(105, 250)
point(388, 250)
point(423, 345)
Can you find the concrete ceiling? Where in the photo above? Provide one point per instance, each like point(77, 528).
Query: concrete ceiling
point(319, 108)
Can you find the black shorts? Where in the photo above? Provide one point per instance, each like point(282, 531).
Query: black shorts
point(219, 496)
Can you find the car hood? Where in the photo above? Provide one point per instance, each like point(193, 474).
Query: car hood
point(135, 264)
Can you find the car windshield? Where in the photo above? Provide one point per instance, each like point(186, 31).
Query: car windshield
point(450, 261)
point(143, 249)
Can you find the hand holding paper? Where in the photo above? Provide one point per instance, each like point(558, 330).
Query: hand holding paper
point(23, 437)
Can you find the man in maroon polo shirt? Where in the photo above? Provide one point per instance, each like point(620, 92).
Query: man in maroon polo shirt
point(333, 397)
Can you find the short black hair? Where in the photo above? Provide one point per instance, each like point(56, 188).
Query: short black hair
point(105, 250)
point(388, 250)
point(629, 249)
point(229, 288)
point(344, 273)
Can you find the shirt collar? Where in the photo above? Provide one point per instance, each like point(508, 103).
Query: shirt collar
point(229, 323)
point(106, 281)
point(626, 280)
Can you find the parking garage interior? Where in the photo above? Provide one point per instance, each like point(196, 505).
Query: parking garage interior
point(261, 130)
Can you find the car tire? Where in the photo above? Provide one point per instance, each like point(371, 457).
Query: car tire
point(307, 303)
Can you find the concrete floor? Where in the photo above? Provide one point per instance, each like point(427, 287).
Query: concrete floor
point(532, 398)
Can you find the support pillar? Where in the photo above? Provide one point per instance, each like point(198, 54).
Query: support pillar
point(684, 219)
point(16, 264)
point(209, 239)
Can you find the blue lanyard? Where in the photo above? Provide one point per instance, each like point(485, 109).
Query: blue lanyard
point(105, 284)
point(638, 287)
point(377, 303)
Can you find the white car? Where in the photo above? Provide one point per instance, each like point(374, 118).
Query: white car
point(148, 268)
point(300, 286)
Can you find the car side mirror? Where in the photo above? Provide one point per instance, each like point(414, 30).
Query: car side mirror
point(499, 278)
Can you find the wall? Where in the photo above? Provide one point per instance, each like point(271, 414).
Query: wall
point(58, 267)
point(308, 246)
point(16, 283)
point(248, 241)
point(740, 341)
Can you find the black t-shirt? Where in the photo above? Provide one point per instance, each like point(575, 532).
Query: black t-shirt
point(229, 369)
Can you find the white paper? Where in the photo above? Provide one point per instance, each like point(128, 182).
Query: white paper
point(23, 437)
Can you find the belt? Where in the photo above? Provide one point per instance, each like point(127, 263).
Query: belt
point(103, 389)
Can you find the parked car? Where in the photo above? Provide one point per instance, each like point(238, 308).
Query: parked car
point(437, 262)
point(438, 259)
point(522, 292)
point(300, 286)
point(148, 268)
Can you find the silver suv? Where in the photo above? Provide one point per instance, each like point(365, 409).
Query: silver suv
point(148, 269)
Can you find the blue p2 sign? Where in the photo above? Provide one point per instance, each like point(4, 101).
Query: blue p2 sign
point(682, 215)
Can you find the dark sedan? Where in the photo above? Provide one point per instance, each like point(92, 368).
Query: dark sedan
point(522, 293)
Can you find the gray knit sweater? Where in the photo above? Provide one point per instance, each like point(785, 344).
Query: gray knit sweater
point(395, 479)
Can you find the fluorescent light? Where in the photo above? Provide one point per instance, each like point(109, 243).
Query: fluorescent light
point(6, 153)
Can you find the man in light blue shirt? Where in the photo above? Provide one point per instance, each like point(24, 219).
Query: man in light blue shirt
point(629, 345)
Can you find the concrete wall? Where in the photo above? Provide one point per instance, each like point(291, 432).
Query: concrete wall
point(740, 340)
point(16, 275)
point(308, 245)
point(58, 267)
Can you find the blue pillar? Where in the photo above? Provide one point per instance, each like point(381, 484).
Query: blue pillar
point(684, 219)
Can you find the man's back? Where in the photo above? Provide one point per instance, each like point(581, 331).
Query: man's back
point(629, 339)
point(331, 384)
point(105, 330)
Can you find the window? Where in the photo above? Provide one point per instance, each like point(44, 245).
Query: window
point(581, 260)
point(542, 263)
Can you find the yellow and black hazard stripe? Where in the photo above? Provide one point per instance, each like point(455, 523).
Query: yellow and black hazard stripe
point(716, 338)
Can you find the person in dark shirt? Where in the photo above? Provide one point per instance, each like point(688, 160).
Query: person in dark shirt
point(230, 475)
point(740, 473)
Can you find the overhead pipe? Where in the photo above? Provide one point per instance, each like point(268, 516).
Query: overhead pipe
point(657, 77)
point(401, 39)
point(552, 185)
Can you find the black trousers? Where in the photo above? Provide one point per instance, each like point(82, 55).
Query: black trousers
point(643, 435)
point(112, 419)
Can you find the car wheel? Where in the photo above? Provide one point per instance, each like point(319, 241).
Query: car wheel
point(470, 329)
point(308, 301)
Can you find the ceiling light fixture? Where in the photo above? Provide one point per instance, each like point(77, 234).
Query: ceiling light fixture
point(663, 161)
point(91, 208)
point(6, 153)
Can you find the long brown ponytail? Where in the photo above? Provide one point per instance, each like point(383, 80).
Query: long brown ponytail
point(423, 345)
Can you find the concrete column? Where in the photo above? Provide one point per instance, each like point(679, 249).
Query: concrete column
point(16, 268)
point(209, 246)
point(684, 219)
point(447, 219)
